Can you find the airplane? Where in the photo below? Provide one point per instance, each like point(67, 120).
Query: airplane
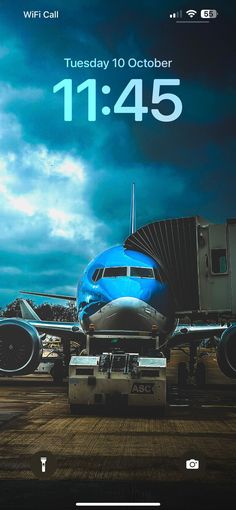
point(121, 290)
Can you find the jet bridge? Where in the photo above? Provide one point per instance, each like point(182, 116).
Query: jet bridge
point(198, 259)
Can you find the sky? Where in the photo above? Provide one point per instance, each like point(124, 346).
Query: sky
point(65, 186)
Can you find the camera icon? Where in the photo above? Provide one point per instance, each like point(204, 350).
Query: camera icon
point(192, 464)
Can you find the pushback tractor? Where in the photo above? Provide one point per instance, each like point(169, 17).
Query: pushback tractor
point(115, 377)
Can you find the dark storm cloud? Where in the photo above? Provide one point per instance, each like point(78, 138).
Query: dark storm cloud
point(55, 221)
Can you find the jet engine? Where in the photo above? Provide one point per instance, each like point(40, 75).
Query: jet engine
point(20, 347)
point(226, 352)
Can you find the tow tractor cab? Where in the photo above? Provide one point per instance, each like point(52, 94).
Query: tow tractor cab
point(116, 377)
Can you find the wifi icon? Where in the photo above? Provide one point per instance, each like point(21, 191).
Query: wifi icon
point(191, 13)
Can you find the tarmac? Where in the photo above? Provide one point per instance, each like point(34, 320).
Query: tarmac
point(132, 445)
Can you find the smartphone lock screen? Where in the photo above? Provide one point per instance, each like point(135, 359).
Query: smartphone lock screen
point(117, 254)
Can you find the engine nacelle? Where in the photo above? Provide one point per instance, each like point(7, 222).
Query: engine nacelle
point(20, 347)
point(226, 352)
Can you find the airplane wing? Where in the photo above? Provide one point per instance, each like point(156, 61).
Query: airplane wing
point(70, 330)
point(185, 333)
point(45, 294)
point(57, 328)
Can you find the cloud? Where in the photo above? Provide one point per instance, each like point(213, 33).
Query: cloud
point(65, 187)
point(10, 270)
point(44, 209)
point(25, 94)
point(33, 178)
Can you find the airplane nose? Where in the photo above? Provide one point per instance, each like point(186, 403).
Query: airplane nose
point(149, 291)
point(128, 313)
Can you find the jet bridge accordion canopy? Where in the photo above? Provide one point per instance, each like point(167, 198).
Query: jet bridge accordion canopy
point(173, 244)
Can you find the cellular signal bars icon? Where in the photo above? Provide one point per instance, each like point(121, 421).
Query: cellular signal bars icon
point(177, 14)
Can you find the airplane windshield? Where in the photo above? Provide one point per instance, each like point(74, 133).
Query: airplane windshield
point(142, 272)
point(97, 274)
point(115, 271)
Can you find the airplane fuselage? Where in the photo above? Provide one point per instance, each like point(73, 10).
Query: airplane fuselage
point(124, 289)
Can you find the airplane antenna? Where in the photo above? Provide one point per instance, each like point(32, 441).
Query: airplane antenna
point(132, 210)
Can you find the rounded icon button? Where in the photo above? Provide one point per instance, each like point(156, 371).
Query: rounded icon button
point(43, 464)
point(192, 463)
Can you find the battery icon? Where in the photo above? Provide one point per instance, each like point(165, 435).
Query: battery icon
point(209, 13)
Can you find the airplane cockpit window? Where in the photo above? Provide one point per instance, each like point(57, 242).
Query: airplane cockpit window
point(94, 277)
point(97, 274)
point(136, 272)
point(142, 272)
point(115, 271)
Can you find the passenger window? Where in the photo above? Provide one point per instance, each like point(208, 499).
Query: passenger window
point(115, 271)
point(219, 261)
point(142, 272)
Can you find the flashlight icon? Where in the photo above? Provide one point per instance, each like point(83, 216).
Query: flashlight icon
point(43, 464)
